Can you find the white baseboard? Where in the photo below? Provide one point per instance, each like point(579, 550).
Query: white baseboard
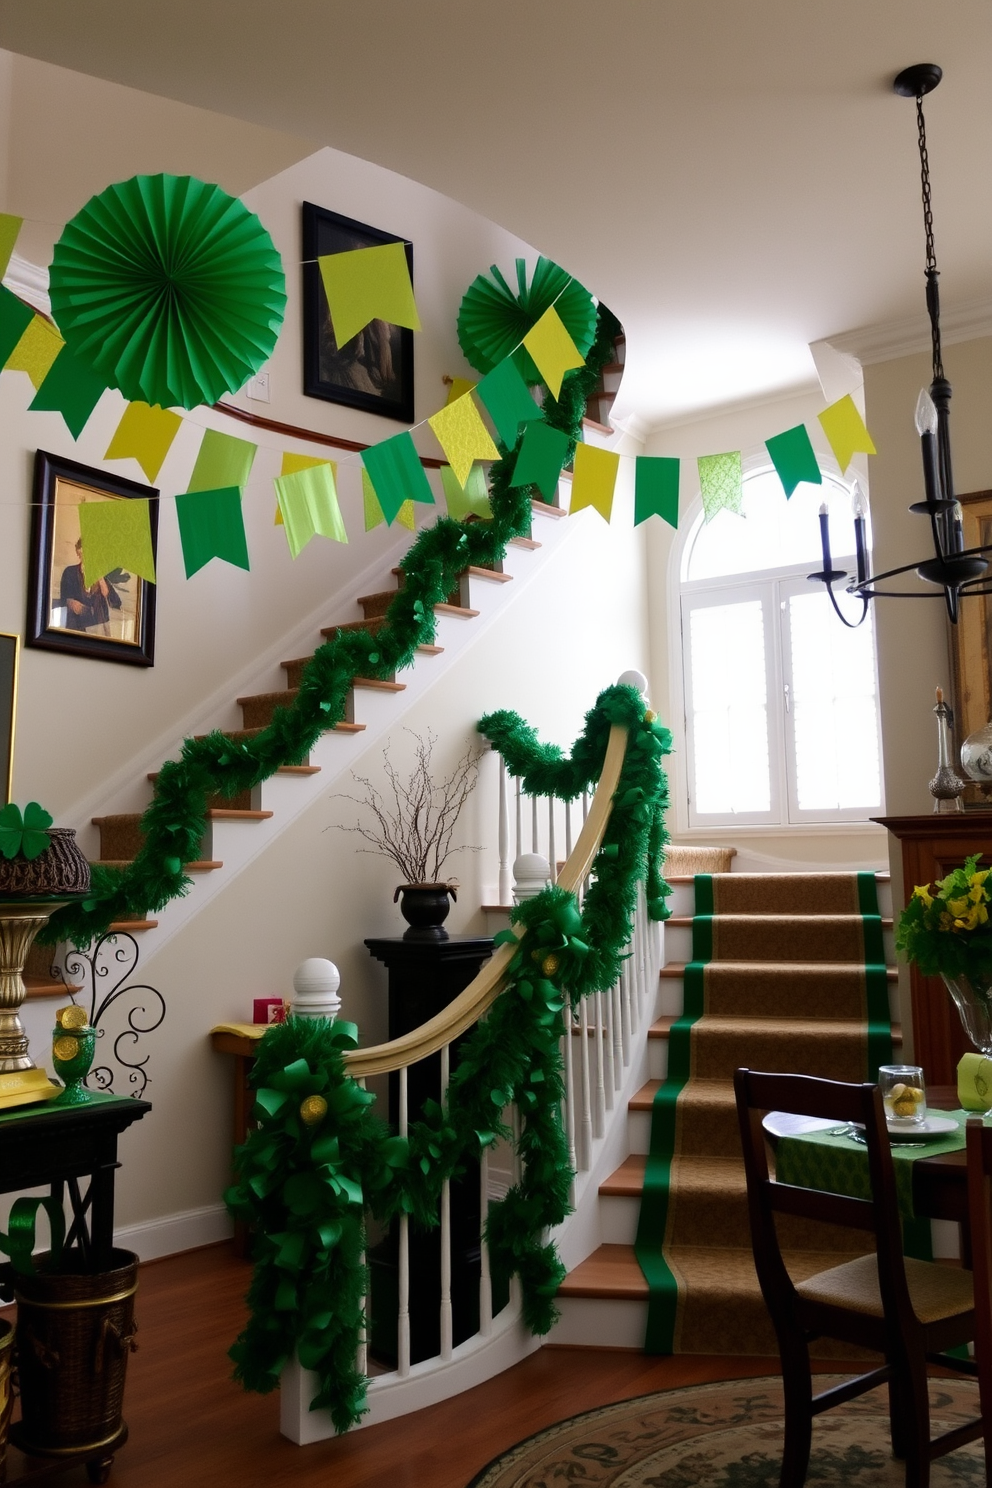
point(188, 1230)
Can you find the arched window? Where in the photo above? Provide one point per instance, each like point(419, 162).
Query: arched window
point(781, 699)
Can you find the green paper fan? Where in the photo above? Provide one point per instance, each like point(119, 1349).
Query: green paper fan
point(169, 288)
point(493, 320)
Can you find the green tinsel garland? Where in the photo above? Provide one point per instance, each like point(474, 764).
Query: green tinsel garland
point(175, 822)
point(300, 1191)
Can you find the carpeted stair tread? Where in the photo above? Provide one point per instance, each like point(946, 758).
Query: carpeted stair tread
point(785, 893)
point(768, 988)
point(830, 1049)
point(815, 938)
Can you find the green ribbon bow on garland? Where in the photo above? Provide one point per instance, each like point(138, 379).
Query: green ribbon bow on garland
point(19, 1241)
point(25, 834)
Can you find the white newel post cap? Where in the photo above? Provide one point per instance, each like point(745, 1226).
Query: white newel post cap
point(531, 873)
point(634, 679)
point(315, 983)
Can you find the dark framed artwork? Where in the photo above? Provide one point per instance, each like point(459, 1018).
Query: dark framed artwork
point(8, 712)
point(374, 371)
point(971, 641)
point(111, 620)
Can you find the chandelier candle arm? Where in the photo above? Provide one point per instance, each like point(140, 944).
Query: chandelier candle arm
point(860, 509)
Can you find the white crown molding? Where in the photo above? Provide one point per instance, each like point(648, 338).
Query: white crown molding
point(28, 282)
point(899, 338)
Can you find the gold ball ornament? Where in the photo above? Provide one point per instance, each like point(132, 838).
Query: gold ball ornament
point(550, 965)
point(313, 1110)
point(650, 715)
point(71, 1017)
point(65, 1048)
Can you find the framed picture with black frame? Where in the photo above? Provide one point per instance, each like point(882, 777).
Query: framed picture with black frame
point(374, 370)
point(971, 643)
point(8, 712)
point(111, 619)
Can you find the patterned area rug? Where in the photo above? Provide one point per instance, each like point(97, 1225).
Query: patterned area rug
point(729, 1435)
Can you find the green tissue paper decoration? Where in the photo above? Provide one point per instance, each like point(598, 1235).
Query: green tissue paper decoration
point(25, 834)
point(169, 288)
point(493, 321)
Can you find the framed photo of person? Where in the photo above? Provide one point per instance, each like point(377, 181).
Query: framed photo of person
point(112, 619)
point(374, 371)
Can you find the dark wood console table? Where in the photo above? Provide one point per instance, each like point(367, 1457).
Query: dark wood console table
point(932, 846)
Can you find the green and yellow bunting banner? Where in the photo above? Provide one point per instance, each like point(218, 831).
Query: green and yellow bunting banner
point(460, 432)
point(211, 525)
point(540, 459)
point(656, 489)
point(397, 474)
point(552, 350)
point(308, 501)
point(9, 229)
point(374, 514)
point(845, 431)
point(116, 534)
point(72, 389)
point(145, 434)
point(594, 479)
point(507, 400)
point(222, 461)
point(794, 458)
point(721, 482)
point(366, 284)
point(468, 500)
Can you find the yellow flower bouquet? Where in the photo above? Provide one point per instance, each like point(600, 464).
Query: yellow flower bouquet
point(945, 927)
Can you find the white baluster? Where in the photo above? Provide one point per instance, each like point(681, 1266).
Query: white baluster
point(585, 1116)
point(403, 1319)
point(518, 803)
point(503, 835)
point(568, 829)
point(552, 859)
point(599, 1112)
point(569, 1041)
point(626, 978)
point(619, 1059)
point(533, 824)
point(485, 1279)
point(446, 1321)
point(612, 1073)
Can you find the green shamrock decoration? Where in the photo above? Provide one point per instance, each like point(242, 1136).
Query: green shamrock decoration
point(24, 834)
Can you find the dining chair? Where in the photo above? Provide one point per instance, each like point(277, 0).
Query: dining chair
point(909, 1311)
point(978, 1141)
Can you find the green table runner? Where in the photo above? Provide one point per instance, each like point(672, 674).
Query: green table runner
point(836, 1164)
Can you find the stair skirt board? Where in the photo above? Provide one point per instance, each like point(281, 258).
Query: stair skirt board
point(787, 972)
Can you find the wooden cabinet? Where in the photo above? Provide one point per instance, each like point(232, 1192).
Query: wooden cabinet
point(931, 846)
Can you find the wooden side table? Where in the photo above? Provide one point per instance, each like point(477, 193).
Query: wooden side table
point(932, 846)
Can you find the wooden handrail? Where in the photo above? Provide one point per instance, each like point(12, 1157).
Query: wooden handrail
point(480, 994)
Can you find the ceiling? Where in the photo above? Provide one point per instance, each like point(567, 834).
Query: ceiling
point(734, 180)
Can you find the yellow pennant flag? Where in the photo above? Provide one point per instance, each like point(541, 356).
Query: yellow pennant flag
point(116, 534)
point(368, 284)
point(846, 432)
point(595, 475)
point(9, 228)
point(463, 436)
point(308, 500)
point(146, 435)
point(553, 350)
point(290, 465)
point(374, 514)
point(36, 351)
point(459, 387)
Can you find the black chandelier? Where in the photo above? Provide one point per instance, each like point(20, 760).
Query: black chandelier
point(954, 569)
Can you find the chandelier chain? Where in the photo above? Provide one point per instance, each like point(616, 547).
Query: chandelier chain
point(932, 274)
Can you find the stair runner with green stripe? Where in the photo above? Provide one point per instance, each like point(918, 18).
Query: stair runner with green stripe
point(787, 973)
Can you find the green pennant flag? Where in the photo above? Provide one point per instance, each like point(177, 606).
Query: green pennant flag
point(794, 458)
point(541, 457)
point(656, 489)
point(222, 461)
point(396, 473)
point(374, 514)
point(116, 534)
point(472, 499)
point(211, 525)
point(15, 317)
point(721, 482)
point(308, 500)
point(72, 389)
point(507, 400)
point(9, 228)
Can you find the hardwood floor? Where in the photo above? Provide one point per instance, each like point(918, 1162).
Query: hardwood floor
point(191, 1425)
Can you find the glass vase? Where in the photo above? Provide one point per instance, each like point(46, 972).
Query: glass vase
point(972, 996)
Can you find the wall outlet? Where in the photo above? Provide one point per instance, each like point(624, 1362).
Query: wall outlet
point(258, 388)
